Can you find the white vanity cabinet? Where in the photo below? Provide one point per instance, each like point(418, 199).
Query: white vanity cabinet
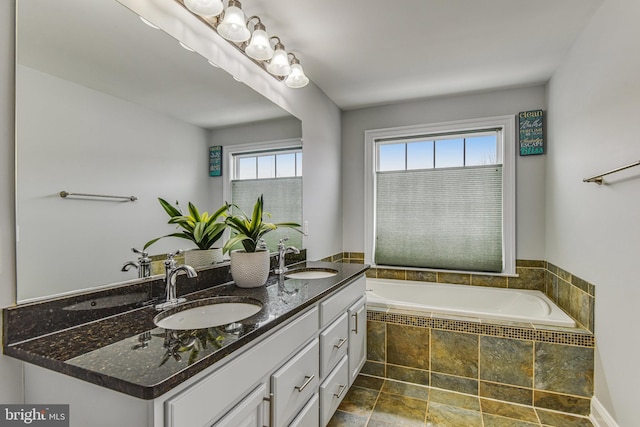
point(296, 375)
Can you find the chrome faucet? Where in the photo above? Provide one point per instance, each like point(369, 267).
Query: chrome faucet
point(282, 251)
point(143, 265)
point(171, 270)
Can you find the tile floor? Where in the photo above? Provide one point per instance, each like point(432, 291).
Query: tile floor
point(376, 402)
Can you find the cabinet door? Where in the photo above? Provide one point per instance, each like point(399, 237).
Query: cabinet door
point(247, 413)
point(357, 338)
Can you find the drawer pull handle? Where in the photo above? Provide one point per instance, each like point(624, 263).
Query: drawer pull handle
point(340, 391)
point(355, 316)
point(340, 343)
point(306, 383)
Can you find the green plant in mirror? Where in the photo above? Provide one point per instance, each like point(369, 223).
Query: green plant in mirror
point(200, 228)
point(250, 229)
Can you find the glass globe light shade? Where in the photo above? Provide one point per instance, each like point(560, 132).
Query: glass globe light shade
point(279, 65)
point(297, 78)
point(233, 27)
point(259, 48)
point(204, 7)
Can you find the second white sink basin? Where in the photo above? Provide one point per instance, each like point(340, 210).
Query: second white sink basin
point(311, 273)
point(207, 313)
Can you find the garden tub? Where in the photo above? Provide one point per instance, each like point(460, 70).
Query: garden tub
point(517, 305)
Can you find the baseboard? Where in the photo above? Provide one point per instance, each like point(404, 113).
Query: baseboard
point(600, 417)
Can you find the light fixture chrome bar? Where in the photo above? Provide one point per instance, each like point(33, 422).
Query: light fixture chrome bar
point(598, 178)
point(298, 80)
point(65, 194)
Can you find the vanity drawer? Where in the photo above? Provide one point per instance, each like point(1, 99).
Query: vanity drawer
point(333, 344)
point(294, 383)
point(333, 390)
point(310, 415)
point(333, 306)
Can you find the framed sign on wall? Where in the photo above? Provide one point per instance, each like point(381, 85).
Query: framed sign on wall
point(531, 132)
point(215, 160)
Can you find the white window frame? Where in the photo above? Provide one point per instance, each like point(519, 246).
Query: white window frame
point(230, 151)
point(506, 152)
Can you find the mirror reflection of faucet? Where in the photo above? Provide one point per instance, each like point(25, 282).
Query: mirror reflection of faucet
point(172, 270)
point(143, 265)
point(283, 250)
point(143, 341)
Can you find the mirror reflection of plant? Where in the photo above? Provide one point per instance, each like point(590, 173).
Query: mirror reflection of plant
point(250, 229)
point(200, 228)
point(192, 341)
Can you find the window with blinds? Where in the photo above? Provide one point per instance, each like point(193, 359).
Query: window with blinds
point(277, 175)
point(439, 201)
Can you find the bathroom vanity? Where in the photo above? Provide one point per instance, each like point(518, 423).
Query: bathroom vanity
point(288, 365)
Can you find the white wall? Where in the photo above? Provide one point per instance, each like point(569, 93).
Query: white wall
point(11, 388)
point(530, 169)
point(102, 145)
point(594, 231)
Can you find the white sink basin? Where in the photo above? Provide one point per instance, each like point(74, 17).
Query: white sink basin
point(311, 273)
point(207, 313)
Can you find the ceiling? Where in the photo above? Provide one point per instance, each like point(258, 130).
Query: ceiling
point(371, 52)
point(360, 53)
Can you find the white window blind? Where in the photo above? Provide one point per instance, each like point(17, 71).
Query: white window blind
point(282, 199)
point(440, 218)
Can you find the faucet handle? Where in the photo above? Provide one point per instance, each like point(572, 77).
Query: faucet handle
point(142, 253)
point(281, 244)
point(262, 245)
point(170, 261)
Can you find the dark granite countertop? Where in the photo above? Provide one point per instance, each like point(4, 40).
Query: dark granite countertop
point(128, 353)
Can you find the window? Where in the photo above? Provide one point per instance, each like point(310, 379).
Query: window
point(273, 169)
point(442, 196)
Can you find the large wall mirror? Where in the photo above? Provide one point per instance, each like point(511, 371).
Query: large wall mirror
point(108, 105)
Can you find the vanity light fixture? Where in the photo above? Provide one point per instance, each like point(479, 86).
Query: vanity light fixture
point(205, 7)
point(233, 27)
point(255, 43)
point(296, 78)
point(259, 48)
point(279, 64)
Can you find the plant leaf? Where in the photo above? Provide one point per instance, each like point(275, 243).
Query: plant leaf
point(169, 208)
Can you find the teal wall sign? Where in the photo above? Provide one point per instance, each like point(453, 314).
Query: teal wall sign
point(215, 161)
point(531, 132)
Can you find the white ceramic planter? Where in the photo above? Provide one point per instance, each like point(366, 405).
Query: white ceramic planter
point(250, 269)
point(202, 257)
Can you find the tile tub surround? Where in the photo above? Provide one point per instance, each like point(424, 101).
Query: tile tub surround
point(376, 402)
point(550, 369)
point(105, 351)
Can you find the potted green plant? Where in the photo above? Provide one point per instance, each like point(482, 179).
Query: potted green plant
point(250, 266)
point(202, 229)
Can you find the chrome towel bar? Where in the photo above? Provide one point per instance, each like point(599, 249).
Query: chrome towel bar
point(598, 178)
point(65, 194)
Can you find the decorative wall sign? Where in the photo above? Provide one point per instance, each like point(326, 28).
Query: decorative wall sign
point(531, 132)
point(215, 161)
